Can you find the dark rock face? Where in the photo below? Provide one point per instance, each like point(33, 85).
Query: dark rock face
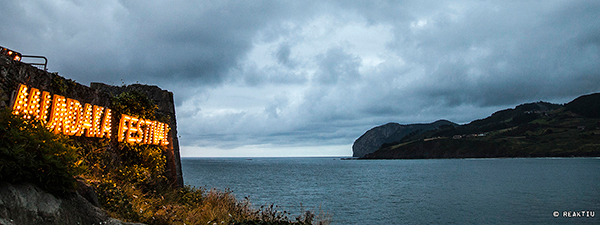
point(372, 140)
point(27, 204)
point(88, 192)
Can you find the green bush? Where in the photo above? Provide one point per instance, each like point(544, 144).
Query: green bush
point(134, 103)
point(30, 153)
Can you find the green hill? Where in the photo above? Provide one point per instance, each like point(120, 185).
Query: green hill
point(587, 105)
point(537, 129)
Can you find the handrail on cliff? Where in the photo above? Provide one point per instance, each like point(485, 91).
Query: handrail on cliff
point(45, 64)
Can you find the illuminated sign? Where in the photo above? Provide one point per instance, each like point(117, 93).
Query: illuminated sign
point(70, 117)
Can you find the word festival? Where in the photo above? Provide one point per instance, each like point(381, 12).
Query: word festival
point(70, 117)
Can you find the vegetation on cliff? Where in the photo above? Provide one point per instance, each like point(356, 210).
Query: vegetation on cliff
point(29, 153)
point(129, 179)
point(530, 130)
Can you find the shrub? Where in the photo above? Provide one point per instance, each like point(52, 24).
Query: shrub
point(134, 103)
point(30, 153)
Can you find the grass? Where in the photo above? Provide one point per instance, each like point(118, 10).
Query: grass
point(190, 205)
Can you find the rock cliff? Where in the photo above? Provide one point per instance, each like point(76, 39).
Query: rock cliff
point(372, 140)
point(25, 204)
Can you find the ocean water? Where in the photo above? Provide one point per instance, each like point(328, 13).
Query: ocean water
point(431, 191)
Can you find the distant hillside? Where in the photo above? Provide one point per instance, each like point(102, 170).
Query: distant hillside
point(372, 140)
point(537, 129)
point(587, 105)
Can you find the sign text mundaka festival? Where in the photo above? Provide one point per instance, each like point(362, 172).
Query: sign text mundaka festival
point(70, 117)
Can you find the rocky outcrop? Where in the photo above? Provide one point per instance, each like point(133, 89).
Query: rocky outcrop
point(26, 204)
point(372, 140)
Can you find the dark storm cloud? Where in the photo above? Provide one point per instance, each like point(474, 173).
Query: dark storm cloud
point(491, 53)
point(155, 41)
point(295, 72)
point(336, 65)
point(192, 43)
point(283, 54)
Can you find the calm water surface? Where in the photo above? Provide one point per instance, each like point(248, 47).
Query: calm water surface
point(434, 191)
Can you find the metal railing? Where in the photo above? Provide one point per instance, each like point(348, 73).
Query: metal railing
point(45, 64)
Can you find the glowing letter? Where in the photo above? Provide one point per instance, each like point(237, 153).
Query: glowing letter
point(157, 136)
point(33, 105)
point(132, 130)
point(123, 127)
point(148, 132)
point(96, 117)
point(140, 131)
point(160, 134)
point(165, 140)
point(70, 126)
point(20, 104)
point(77, 112)
point(85, 121)
point(106, 124)
point(46, 102)
point(59, 109)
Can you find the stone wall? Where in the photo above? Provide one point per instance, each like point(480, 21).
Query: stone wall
point(12, 73)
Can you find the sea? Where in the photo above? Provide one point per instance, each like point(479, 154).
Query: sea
point(424, 191)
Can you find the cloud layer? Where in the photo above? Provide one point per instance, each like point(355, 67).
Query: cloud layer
point(317, 73)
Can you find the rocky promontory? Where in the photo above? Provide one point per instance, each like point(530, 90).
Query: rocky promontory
point(372, 140)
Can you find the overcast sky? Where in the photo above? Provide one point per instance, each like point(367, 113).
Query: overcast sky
point(307, 78)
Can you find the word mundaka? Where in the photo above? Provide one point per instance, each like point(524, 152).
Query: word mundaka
point(70, 117)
